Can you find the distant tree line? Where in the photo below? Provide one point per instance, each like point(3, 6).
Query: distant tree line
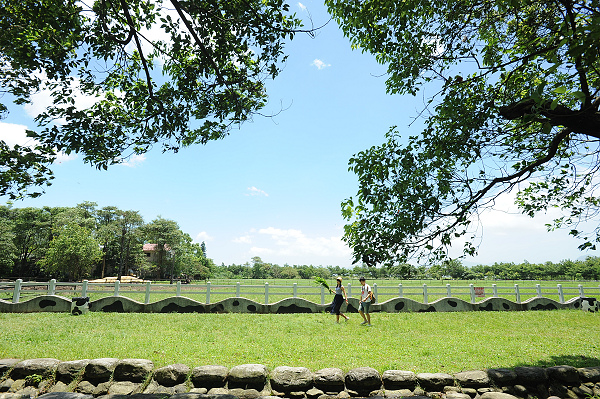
point(588, 269)
point(72, 243)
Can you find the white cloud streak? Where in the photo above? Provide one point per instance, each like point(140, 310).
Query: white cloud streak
point(253, 191)
point(320, 64)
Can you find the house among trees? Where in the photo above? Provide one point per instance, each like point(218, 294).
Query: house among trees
point(152, 252)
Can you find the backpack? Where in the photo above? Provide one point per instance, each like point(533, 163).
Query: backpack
point(373, 299)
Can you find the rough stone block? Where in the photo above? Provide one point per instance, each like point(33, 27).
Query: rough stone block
point(564, 374)
point(6, 365)
point(363, 379)
point(43, 367)
point(434, 381)
point(589, 374)
point(502, 376)
point(497, 395)
point(68, 371)
point(472, 379)
point(134, 370)
point(398, 379)
point(171, 375)
point(100, 369)
point(209, 376)
point(291, 379)
point(329, 379)
point(531, 375)
point(248, 376)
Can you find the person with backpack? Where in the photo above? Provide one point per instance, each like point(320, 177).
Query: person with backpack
point(366, 295)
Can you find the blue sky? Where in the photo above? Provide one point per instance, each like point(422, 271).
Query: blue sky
point(273, 188)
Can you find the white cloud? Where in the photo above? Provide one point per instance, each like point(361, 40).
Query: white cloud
point(243, 240)
point(203, 236)
point(294, 246)
point(13, 134)
point(320, 64)
point(253, 191)
point(134, 160)
point(302, 6)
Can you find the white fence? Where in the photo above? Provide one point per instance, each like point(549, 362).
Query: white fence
point(424, 293)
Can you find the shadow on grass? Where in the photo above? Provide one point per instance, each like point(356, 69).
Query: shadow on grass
point(571, 360)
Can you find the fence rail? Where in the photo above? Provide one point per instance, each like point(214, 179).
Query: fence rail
point(424, 293)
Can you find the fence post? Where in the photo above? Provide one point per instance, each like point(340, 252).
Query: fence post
point(517, 293)
point(52, 287)
point(207, 292)
point(237, 289)
point(375, 290)
point(266, 292)
point(425, 299)
point(581, 294)
point(472, 290)
point(178, 288)
point(84, 288)
point(448, 291)
point(17, 292)
point(295, 290)
point(538, 289)
point(322, 295)
point(147, 300)
point(495, 289)
point(400, 294)
point(117, 286)
point(349, 290)
point(561, 295)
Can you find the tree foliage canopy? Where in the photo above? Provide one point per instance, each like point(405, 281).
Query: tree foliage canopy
point(516, 108)
point(126, 75)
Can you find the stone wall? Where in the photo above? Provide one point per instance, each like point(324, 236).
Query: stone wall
point(110, 378)
point(56, 303)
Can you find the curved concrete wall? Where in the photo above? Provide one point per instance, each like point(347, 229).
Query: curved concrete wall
point(120, 304)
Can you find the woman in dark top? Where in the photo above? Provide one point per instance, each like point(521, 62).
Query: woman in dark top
point(338, 299)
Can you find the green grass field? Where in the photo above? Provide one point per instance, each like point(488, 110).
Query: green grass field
point(419, 342)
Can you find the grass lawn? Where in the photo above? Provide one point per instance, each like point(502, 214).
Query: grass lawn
point(419, 342)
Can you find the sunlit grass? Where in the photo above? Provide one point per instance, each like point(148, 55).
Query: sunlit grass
point(420, 342)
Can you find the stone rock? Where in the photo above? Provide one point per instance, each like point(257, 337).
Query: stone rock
point(218, 391)
point(363, 379)
point(17, 385)
point(583, 391)
point(531, 375)
point(64, 395)
point(557, 389)
point(343, 395)
point(43, 367)
point(314, 393)
point(329, 379)
point(102, 388)
point(398, 393)
point(457, 395)
point(7, 364)
point(497, 395)
point(502, 376)
point(85, 387)
point(134, 370)
point(591, 374)
point(434, 381)
point(59, 387)
point(171, 375)
point(123, 388)
point(565, 374)
point(248, 376)
point(6, 384)
point(398, 379)
point(472, 379)
point(244, 393)
point(520, 391)
point(28, 392)
point(200, 391)
point(100, 369)
point(472, 392)
point(209, 376)
point(290, 379)
point(68, 371)
point(177, 389)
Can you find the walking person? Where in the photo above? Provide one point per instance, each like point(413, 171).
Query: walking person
point(365, 301)
point(338, 299)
